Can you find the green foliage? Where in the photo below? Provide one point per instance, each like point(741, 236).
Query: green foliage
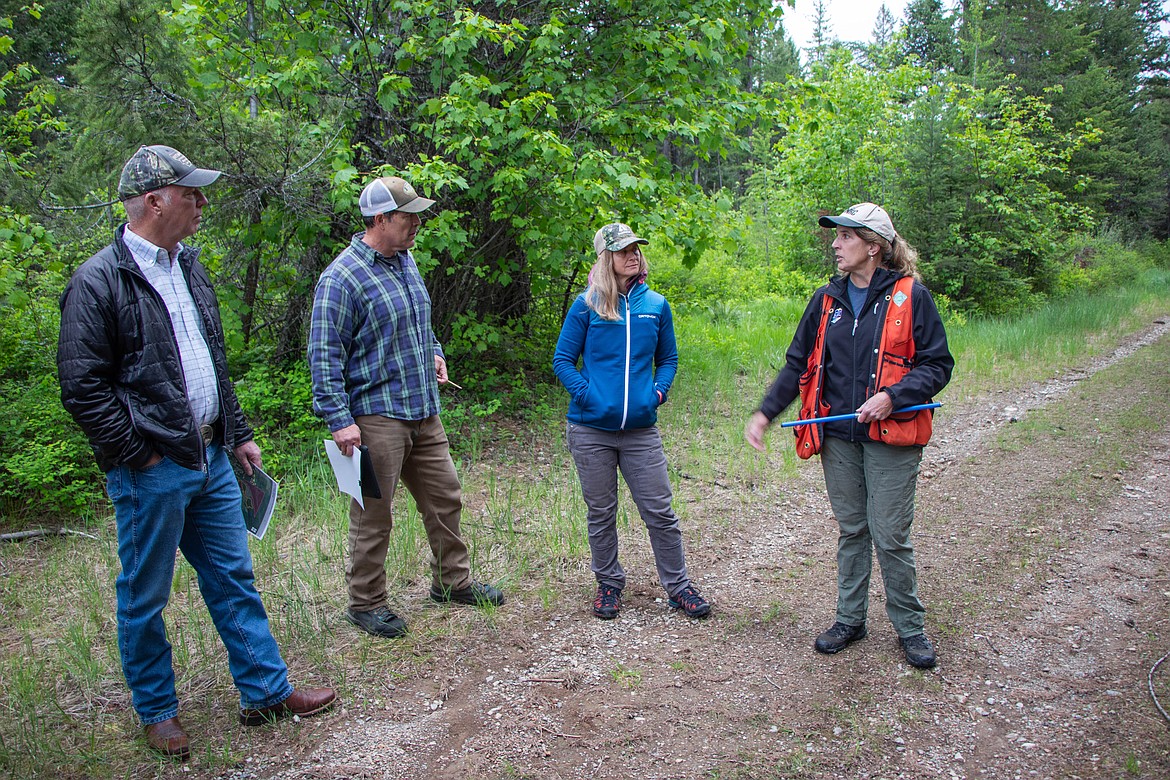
point(1001, 247)
point(840, 145)
point(1101, 262)
point(965, 173)
point(27, 109)
point(48, 467)
point(997, 134)
point(727, 277)
point(278, 403)
point(28, 263)
point(929, 38)
point(49, 472)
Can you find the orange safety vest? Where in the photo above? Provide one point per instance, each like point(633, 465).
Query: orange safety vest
point(895, 358)
point(811, 384)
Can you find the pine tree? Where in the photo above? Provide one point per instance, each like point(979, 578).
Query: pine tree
point(884, 27)
point(930, 37)
point(822, 32)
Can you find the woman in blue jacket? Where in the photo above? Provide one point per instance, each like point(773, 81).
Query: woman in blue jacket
point(622, 334)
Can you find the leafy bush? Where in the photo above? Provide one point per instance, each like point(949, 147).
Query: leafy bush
point(48, 465)
point(278, 403)
point(49, 470)
point(1100, 262)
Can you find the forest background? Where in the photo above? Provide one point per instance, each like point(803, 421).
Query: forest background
point(1022, 145)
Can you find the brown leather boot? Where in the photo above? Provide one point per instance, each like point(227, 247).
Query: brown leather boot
point(169, 738)
point(303, 702)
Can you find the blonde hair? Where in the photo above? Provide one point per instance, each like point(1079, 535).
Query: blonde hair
point(898, 256)
point(602, 294)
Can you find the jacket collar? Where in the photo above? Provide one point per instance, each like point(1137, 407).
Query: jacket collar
point(882, 279)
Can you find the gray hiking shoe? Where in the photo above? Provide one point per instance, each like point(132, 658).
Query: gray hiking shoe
point(838, 637)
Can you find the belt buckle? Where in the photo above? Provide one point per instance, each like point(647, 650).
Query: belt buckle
point(208, 434)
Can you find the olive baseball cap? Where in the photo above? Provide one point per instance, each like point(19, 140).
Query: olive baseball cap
point(615, 237)
point(154, 167)
point(391, 193)
point(866, 215)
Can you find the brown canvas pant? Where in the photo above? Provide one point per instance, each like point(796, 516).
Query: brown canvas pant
point(418, 452)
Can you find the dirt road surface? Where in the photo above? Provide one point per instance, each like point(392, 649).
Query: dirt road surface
point(1043, 534)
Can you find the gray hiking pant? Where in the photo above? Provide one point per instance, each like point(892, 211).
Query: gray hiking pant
point(871, 489)
point(639, 455)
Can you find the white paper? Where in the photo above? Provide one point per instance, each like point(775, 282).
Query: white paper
point(348, 470)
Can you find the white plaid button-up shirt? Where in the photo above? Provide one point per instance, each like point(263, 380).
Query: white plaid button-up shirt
point(166, 277)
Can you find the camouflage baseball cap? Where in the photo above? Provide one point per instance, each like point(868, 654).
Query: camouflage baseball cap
point(866, 215)
point(615, 237)
point(154, 167)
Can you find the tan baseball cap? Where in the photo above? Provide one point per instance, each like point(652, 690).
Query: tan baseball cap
point(866, 215)
point(390, 193)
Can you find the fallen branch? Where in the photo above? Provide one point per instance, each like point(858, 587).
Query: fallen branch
point(988, 641)
point(558, 734)
point(16, 536)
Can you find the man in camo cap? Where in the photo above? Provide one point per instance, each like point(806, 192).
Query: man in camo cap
point(143, 371)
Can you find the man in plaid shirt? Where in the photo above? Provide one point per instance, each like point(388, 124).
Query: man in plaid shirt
point(376, 368)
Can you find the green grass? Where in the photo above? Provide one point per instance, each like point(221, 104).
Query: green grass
point(624, 676)
point(67, 713)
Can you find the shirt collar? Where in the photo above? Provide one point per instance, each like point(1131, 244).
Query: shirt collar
point(373, 255)
point(146, 253)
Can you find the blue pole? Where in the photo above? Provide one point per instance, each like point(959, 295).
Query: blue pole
point(836, 417)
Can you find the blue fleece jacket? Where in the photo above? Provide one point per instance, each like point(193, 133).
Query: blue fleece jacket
point(625, 363)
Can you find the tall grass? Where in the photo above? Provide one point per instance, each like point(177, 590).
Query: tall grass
point(1040, 343)
point(66, 712)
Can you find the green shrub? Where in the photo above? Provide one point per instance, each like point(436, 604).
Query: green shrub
point(278, 403)
point(1101, 262)
point(49, 470)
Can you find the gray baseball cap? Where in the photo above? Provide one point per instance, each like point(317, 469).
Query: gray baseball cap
point(615, 237)
point(866, 215)
point(391, 193)
point(154, 167)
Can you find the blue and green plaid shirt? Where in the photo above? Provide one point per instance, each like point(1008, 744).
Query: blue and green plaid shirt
point(371, 347)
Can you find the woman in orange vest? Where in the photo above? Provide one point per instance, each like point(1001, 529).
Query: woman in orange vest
point(870, 341)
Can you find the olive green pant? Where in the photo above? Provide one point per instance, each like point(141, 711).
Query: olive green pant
point(418, 452)
point(871, 489)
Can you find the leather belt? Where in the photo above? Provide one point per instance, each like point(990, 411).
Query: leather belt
point(208, 434)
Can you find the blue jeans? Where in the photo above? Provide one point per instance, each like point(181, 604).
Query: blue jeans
point(167, 508)
point(639, 455)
